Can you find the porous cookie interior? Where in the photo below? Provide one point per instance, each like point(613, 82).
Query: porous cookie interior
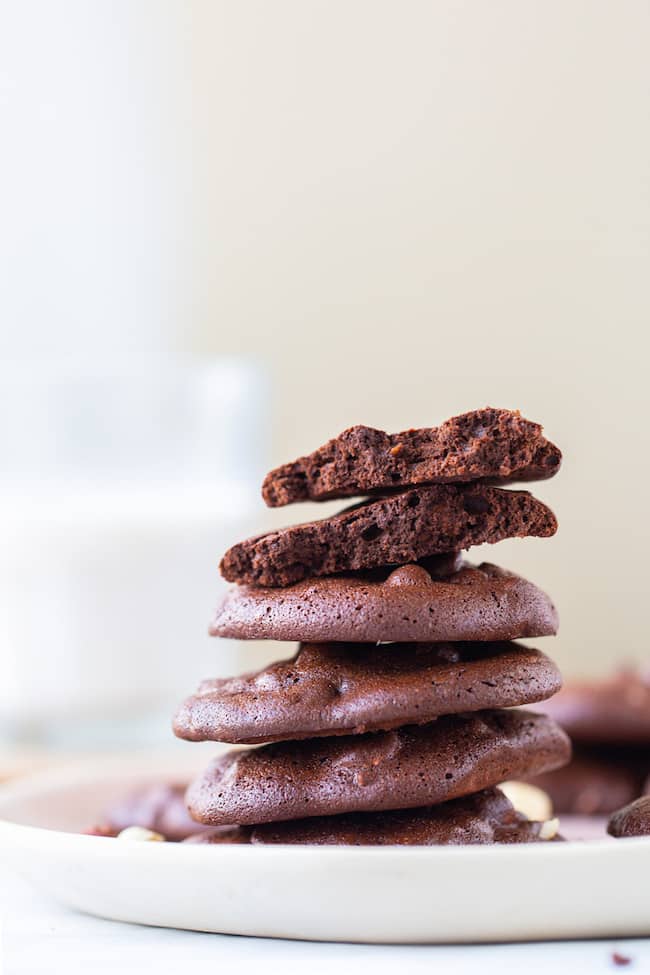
point(405, 527)
point(493, 444)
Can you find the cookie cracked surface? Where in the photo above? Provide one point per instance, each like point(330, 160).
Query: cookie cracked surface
point(338, 689)
point(448, 600)
point(400, 769)
point(483, 818)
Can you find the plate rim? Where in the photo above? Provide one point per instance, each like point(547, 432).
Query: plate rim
point(87, 873)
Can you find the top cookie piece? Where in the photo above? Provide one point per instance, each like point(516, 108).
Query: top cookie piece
point(487, 445)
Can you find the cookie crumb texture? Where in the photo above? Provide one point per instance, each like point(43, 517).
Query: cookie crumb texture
point(401, 769)
point(402, 528)
point(488, 444)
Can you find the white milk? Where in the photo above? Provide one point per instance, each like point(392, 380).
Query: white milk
point(109, 555)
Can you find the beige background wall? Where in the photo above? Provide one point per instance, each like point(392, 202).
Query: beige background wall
point(403, 209)
point(413, 209)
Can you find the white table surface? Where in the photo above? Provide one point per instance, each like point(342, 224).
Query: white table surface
point(39, 936)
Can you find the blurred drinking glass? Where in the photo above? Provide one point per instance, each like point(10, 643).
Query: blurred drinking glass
point(118, 494)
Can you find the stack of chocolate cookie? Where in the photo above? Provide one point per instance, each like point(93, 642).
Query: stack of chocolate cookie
point(396, 719)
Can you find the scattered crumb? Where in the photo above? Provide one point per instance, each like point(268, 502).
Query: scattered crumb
point(619, 959)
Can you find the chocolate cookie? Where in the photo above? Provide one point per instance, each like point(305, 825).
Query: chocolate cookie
point(408, 767)
point(482, 818)
point(337, 688)
point(612, 711)
point(632, 820)
point(442, 602)
point(402, 528)
point(487, 444)
point(596, 781)
point(159, 807)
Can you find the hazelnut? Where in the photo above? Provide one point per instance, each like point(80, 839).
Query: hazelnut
point(549, 829)
point(529, 800)
point(140, 833)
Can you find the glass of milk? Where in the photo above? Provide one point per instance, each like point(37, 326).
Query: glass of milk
point(119, 491)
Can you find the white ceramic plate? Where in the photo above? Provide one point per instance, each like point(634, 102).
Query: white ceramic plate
point(598, 888)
